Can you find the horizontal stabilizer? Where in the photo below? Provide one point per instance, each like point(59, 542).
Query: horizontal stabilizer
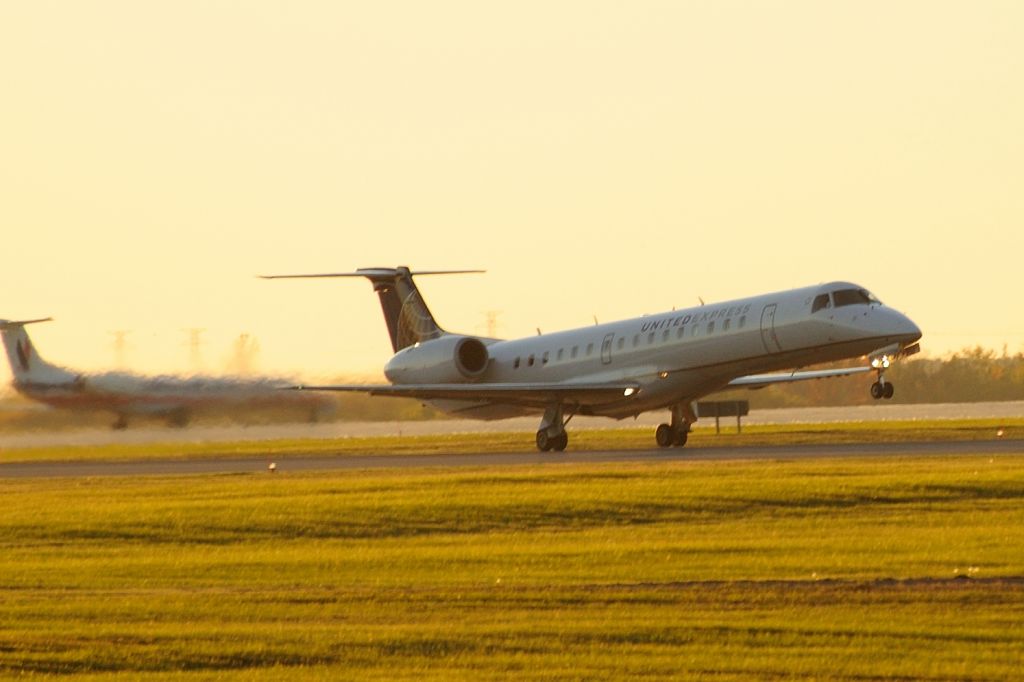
point(12, 324)
point(373, 273)
point(407, 316)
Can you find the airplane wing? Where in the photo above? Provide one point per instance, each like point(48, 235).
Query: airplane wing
point(528, 395)
point(754, 381)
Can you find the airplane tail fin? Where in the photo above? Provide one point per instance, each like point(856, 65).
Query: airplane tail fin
point(408, 318)
point(26, 364)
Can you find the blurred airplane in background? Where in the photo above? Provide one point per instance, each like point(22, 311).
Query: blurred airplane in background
point(175, 399)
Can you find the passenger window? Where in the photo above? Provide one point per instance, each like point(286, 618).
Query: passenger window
point(664, 336)
point(515, 365)
point(622, 342)
point(561, 352)
point(725, 327)
point(590, 349)
point(743, 321)
point(650, 338)
point(679, 334)
point(820, 301)
point(575, 350)
point(529, 361)
point(711, 327)
point(544, 359)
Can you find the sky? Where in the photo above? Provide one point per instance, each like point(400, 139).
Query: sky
point(597, 158)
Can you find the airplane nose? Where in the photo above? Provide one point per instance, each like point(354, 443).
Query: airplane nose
point(907, 330)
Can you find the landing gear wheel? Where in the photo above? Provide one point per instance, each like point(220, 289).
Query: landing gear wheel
point(888, 392)
point(877, 390)
point(664, 435)
point(681, 436)
point(546, 443)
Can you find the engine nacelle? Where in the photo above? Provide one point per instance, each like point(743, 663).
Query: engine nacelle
point(447, 360)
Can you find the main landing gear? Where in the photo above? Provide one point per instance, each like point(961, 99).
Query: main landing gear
point(676, 433)
point(881, 388)
point(552, 434)
point(557, 443)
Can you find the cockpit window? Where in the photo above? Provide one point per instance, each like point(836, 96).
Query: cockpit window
point(853, 297)
point(820, 301)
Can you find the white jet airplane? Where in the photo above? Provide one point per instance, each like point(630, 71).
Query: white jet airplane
point(126, 395)
point(621, 369)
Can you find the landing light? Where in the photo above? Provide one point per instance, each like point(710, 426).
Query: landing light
point(628, 392)
point(882, 362)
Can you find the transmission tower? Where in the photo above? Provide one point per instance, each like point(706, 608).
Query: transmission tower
point(243, 354)
point(491, 322)
point(120, 345)
point(195, 343)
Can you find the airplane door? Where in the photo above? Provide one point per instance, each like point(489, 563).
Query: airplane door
point(606, 349)
point(768, 337)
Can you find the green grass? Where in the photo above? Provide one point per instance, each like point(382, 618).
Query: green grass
point(811, 569)
point(597, 439)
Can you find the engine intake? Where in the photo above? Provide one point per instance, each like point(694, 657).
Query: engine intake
point(447, 360)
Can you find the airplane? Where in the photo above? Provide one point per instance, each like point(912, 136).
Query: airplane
point(620, 369)
point(175, 399)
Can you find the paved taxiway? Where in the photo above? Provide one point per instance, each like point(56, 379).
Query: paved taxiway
point(298, 463)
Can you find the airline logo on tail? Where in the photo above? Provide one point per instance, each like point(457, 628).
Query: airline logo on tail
point(24, 347)
point(415, 323)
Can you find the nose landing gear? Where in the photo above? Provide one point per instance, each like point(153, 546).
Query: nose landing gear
point(881, 388)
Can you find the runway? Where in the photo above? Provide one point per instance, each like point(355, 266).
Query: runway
point(158, 433)
point(301, 463)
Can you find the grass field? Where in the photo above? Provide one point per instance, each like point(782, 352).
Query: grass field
point(869, 569)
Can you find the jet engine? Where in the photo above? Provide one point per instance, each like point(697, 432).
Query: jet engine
point(447, 360)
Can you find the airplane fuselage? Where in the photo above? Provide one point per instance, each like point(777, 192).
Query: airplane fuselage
point(684, 354)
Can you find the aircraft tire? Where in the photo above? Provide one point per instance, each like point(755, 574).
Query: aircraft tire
point(888, 392)
point(544, 443)
point(663, 436)
point(877, 390)
point(561, 443)
point(681, 436)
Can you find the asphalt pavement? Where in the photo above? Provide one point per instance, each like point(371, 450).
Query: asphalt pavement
point(303, 463)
